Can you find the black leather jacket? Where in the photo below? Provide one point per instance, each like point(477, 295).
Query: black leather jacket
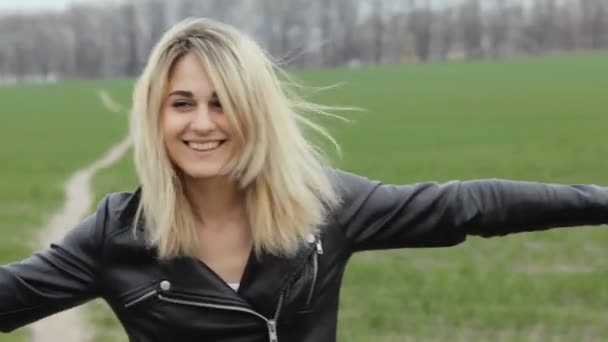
point(280, 299)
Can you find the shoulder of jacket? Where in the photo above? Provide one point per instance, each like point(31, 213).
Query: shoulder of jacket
point(117, 210)
point(352, 189)
point(349, 184)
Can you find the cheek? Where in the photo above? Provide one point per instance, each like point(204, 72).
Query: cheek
point(225, 126)
point(170, 139)
point(164, 122)
point(171, 125)
point(171, 133)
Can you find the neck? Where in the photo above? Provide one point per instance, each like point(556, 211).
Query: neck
point(214, 199)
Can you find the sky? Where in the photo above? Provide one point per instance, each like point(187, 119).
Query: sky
point(33, 5)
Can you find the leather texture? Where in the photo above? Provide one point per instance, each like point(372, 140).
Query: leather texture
point(181, 299)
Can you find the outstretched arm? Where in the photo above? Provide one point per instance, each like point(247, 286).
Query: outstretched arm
point(63, 276)
point(380, 216)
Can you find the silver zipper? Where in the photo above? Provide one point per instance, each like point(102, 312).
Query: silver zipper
point(142, 298)
point(319, 246)
point(270, 323)
point(272, 331)
point(315, 270)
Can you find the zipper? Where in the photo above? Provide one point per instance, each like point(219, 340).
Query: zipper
point(315, 269)
point(143, 297)
point(270, 323)
point(162, 286)
point(319, 246)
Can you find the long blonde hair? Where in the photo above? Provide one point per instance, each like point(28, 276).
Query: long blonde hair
point(287, 186)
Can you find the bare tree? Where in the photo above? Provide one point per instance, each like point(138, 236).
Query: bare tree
point(471, 28)
point(420, 22)
point(91, 40)
point(568, 30)
point(292, 26)
point(378, 29)
point(154, 20)
point(595, 23)
point(445, 33)
point(325, 14)
point(133, 57)
point(542, 27)
point(498, 27)
point(347, 15)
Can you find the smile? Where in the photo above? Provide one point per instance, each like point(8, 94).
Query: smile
point(205, 146)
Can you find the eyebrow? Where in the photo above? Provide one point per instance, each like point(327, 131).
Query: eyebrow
point(183, 93)
point(188, 94)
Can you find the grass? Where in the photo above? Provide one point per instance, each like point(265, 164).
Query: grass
point(47, 133)
point(539, 119)
point(535, 119)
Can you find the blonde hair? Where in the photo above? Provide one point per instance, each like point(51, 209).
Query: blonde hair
point(287, 186)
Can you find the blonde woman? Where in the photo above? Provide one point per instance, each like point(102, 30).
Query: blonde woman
point(239, 231)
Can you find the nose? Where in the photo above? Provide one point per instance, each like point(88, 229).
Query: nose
point(202, 121)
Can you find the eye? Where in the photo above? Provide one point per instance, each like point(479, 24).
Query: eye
point(216, 104)
point(181, 105)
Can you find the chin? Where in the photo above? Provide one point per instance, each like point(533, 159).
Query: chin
point(202, 172)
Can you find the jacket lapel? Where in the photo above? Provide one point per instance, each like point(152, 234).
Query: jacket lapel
point(190, 276)
point(266, 278)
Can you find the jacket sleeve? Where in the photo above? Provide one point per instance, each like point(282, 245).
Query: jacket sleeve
point(55, 279)
point(379, 216)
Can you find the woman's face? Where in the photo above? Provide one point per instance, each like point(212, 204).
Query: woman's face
point(197, 134)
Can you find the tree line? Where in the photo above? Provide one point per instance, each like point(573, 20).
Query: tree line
point(90, 41)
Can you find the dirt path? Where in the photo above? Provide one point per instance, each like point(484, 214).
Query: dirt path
point(109, 103)
point(72, 325)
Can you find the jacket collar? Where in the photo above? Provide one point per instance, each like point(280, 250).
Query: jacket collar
point(266, 278)
point(128, 209)
point(263, 281)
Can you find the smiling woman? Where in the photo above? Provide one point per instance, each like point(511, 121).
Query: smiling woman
point(196, 131)
point(231, 143)
point(240, 231)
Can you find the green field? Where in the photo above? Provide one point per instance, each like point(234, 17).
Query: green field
point(532, 119)
point(47, 132)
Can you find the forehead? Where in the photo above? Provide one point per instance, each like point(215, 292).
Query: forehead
point(190, 74)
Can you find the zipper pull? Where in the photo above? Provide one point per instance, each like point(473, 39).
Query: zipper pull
point(319, 247)
point(272, 331)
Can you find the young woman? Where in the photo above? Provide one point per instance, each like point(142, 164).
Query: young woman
point(239, 231)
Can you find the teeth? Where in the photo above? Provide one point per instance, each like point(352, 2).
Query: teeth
point(207, 146)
